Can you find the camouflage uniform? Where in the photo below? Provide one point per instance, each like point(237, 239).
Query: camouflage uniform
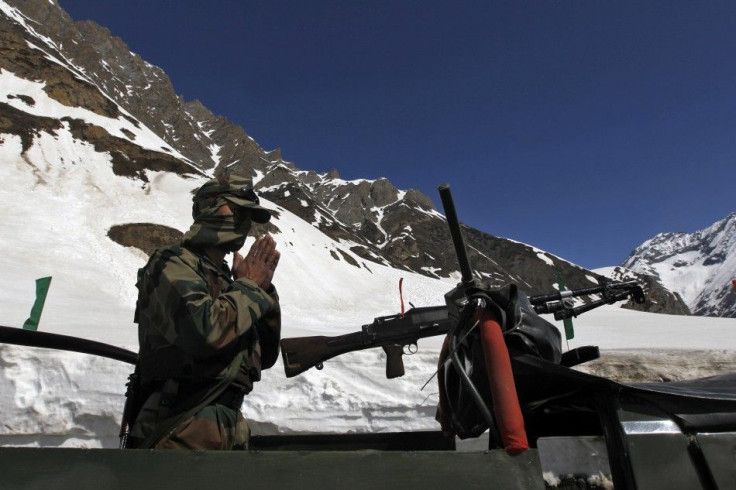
point(199, 329)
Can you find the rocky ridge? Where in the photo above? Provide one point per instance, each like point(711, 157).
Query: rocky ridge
point(82, 65)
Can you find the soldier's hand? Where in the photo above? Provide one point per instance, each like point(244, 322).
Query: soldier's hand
point(260, 263)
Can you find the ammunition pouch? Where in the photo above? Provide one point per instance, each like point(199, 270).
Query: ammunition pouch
point(174, 392)
point(169, 362)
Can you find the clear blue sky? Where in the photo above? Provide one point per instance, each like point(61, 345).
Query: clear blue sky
point(580, 127)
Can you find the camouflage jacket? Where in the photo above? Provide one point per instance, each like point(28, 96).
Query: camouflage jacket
point(193, 319)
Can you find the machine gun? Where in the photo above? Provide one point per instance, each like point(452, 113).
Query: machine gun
point(611, 292)
point(398, 334)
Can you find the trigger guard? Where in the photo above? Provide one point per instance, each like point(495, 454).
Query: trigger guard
point(410, 349)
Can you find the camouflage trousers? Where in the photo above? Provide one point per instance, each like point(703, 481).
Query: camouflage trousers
point(213, 427)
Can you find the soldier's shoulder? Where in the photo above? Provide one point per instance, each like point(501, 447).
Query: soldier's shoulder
point(179, 254)
point(167, 251)
point(173, 254)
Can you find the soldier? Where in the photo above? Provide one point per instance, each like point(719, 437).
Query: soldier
point(206, 332)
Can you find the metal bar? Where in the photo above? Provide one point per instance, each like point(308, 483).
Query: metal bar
point(457, 237)
point(30, 338)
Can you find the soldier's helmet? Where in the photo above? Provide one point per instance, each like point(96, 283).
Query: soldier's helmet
point(233, 189)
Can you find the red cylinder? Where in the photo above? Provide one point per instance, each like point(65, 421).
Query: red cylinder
point(506, 406)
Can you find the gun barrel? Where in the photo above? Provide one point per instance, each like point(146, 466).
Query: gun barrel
point(562, 314)
point(560, 295)
point(457, 237)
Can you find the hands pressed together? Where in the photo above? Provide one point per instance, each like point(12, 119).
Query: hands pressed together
point(260, 263)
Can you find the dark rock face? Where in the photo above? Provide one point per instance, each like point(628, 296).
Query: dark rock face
point(144, 236)
point(60, 84)
point(24, 125)
point(374, 219)
point(139, 88)
point(128, 159)
point(147, 237)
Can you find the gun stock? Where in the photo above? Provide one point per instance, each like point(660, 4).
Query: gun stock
point(303, 353)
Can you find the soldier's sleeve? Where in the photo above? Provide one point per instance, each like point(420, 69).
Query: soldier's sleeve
point(200, 324)
point(269, 332)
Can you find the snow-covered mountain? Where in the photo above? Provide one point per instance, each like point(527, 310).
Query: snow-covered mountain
point(111, 99)
point(699, 266)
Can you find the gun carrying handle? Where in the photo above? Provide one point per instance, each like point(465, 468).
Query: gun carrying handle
point(394, 361)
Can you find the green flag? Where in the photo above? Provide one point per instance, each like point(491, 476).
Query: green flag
point(569, 332)
point(42, 289)
point(567, 322)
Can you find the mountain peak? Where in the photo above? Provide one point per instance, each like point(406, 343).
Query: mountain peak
point(699, 265)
